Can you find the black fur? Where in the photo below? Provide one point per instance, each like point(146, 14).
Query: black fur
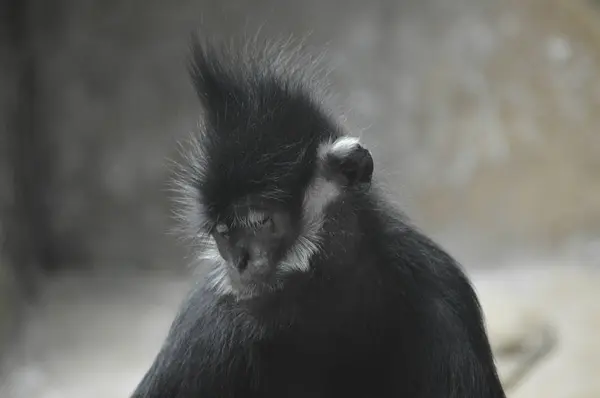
point(382, 312)
point(355, 167)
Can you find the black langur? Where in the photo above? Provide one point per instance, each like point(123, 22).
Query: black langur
point(318, 287)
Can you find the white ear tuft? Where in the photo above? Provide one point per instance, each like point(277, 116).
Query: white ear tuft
point(340, 147)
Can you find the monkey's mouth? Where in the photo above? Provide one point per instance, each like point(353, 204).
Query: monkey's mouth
point(249, 283)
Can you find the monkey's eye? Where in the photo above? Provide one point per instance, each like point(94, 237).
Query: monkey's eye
point(264, 223)
point(258, 220)
point(261, 223)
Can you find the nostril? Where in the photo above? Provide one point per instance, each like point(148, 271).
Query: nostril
point(243, 260)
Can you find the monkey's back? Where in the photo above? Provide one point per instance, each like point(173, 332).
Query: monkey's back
point(398, 328)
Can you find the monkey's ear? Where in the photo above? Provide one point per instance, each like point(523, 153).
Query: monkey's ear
point(347, 159)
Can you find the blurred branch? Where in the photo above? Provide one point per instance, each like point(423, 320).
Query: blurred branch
point(532, 356)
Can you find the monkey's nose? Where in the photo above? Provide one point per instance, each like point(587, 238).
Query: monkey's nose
point(242, 260)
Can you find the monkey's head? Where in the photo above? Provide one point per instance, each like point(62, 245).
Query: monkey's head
point(266, 164)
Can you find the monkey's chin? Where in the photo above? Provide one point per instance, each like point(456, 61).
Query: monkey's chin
point(247, 289)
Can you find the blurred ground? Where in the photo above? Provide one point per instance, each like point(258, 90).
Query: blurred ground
point(483, 116)
point(559, 295)
point(96, 337)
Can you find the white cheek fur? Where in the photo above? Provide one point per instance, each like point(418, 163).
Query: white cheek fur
point(217, 277)
point(320, 193)
point(318, 196)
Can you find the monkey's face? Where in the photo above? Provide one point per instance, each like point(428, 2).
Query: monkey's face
point(252, 245)
point(263, 227)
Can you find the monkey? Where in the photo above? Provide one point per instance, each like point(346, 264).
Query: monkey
point(318, 285)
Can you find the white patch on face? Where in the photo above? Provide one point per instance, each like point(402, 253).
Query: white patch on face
point(319, 194)
point(253, 219)
point(217, 278)
point(340, 147)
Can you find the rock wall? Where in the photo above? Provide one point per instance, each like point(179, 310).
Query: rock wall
point(9, 288)
point(482, 115)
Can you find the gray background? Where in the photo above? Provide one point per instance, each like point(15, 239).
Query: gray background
point(482, 116)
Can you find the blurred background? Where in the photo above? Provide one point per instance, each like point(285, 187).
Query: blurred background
point(483, 116)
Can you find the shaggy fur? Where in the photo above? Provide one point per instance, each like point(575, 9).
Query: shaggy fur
point(364, 304)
